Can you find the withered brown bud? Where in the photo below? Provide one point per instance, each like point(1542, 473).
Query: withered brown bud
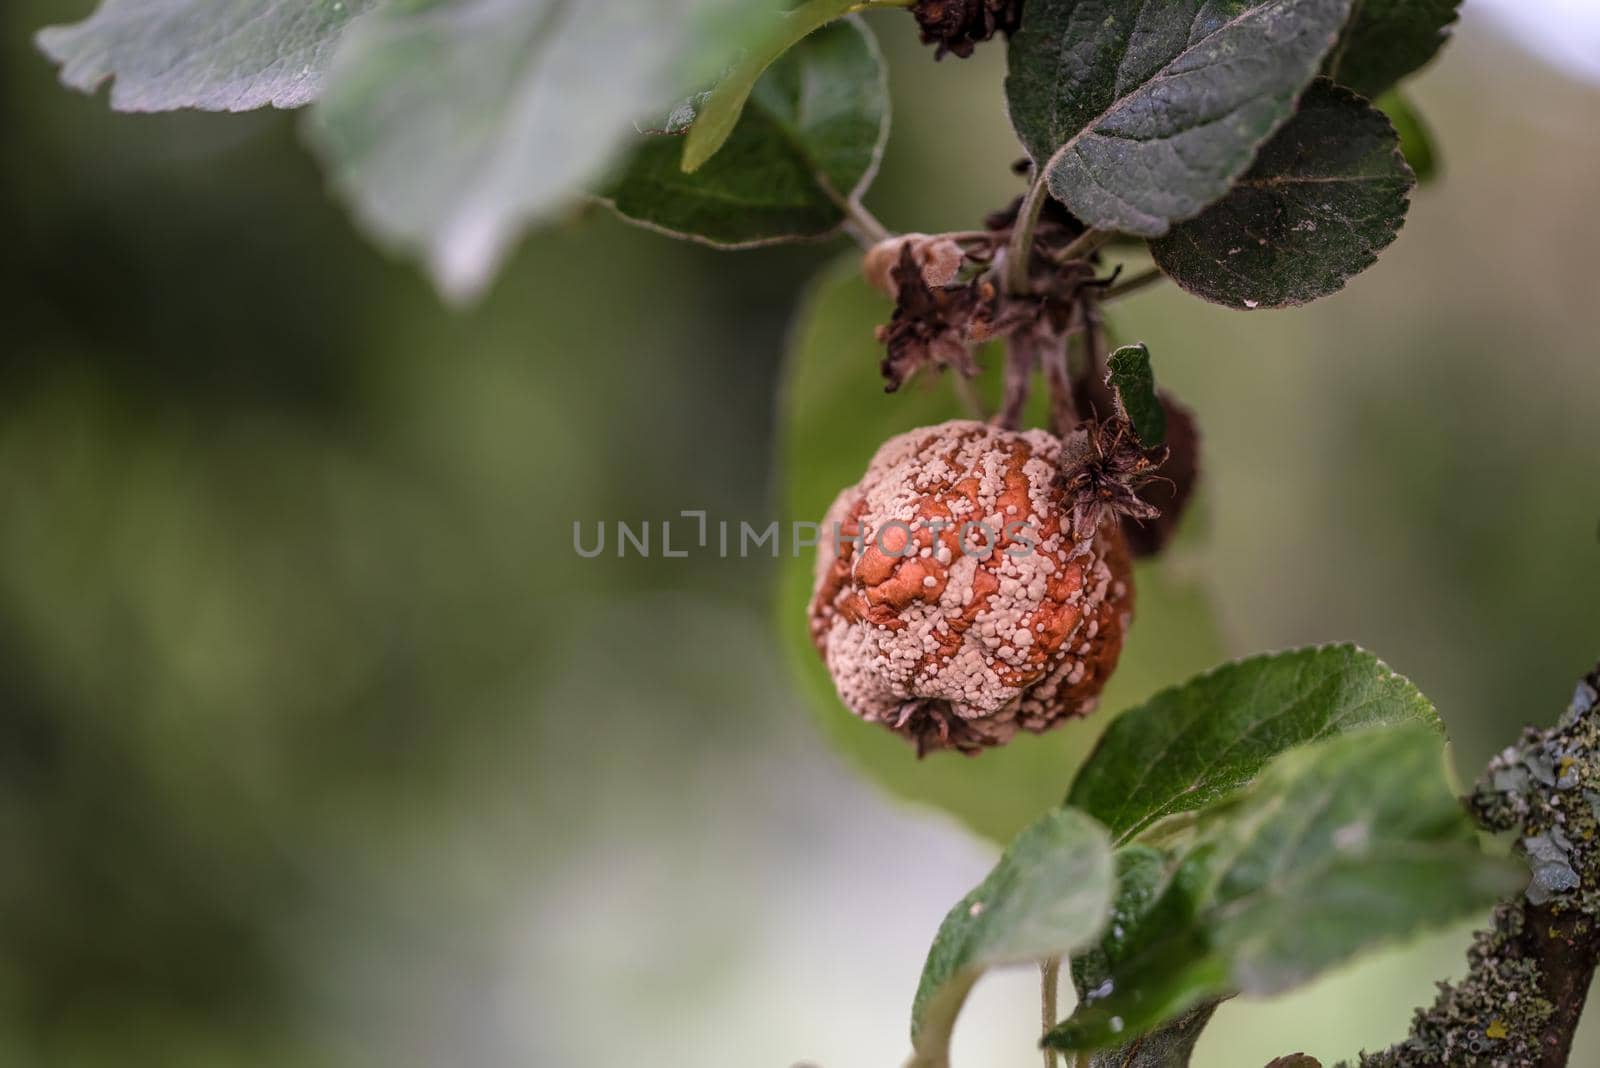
point(939, 258)
point(956, 601)
point(933, 326)
point(957, 25)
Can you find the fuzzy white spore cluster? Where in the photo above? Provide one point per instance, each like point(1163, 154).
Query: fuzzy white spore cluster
point(954, 601)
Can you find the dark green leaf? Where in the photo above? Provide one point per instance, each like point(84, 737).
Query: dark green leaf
point(218, 55)
point(1049, 895)
point(1143, 112)
point(452, 125)
point(1191, 745)
point(1327, 194)
point(1416, 139)
point(719, 115)
point(1135, 385)
point(1385, 40)
point(1168, 1046)
point(811, 135)
point(1337, 847)
point(833, 414)
point(1142, 873)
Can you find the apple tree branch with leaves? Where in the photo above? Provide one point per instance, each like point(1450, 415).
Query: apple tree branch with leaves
point(984, 530)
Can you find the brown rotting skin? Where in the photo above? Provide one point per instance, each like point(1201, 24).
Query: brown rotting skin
point(947, 645)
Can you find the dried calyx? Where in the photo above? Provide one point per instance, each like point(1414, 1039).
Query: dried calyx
point(962, 595)
point(1103, 468)
point(957, 25)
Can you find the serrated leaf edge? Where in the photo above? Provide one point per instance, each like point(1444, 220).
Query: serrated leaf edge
point(1378, 251)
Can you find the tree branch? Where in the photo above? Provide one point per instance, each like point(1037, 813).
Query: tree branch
point(1529, 975)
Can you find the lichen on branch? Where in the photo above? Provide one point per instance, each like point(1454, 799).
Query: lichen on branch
point(1529, 974)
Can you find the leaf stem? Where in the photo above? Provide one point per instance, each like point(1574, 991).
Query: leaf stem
point(1086, 244)
point(873, 230)
point(1020, 250)
point(1063, 406)
point(1022, 358)
point(869, 231)
point(1142, 280)
point(969, 235)
point(1049, 983)
point(967, 394)
point(1094, 398)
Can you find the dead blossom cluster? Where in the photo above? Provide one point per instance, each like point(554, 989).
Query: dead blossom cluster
point(949, 300)
point(956, 26)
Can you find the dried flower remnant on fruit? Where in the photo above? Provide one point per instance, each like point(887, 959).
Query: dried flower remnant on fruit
point(932, 326)
point(958, 603)
point(1103, 467)
point(956, 26)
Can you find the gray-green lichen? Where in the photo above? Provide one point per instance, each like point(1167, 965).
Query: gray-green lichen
point(1546, 790)
point(1493, 1017)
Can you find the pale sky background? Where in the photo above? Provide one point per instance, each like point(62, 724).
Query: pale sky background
point(1564, 33)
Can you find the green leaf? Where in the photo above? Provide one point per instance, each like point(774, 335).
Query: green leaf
point(453, 124)
point(1191, 745)
point(1385, 40)
point(1416, 139)
point(832, 416)
point(218, 55)
point(812, 135)
point(1141, 876)
point(1326, 195)
point(1141, 113)
point(1168, 1046)
point(1338, 847)
point(1049, 895)
point(1135, 385)
point(719, 115)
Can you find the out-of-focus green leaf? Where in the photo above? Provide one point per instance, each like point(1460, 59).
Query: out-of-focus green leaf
point(1338, 847)
point(833, 416)
point(1416, 139)
point(1143, 112)
point(1326, 195)
point(811, 136)
point(719, 114)
point(1191, 745)
point(1386, 40)
point(454, 124)
point(217, 55)
point(1135, 384)
point(1141, 875)
point(1169, 1046)
point(1048, 896)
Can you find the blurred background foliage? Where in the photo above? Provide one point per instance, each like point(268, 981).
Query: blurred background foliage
point(319, 745)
